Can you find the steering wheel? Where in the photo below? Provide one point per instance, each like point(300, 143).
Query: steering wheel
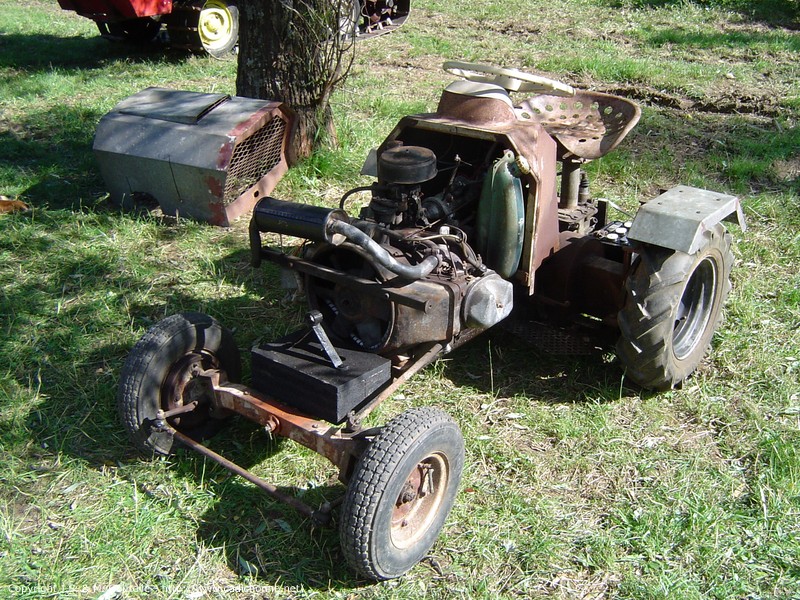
point(512, 80)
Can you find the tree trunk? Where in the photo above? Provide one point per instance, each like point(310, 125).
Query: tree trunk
point(294, 51)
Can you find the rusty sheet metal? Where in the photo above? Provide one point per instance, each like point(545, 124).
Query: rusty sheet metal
point(588, 125)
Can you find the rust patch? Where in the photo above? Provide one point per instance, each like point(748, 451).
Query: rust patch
point(215, 187)
point(225, 153)
point(219, 215)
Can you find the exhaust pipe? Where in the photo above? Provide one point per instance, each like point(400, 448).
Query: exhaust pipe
point(381, 256)
point(330, 225)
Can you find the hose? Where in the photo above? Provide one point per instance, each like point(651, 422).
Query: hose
point(363, 188)
point(376, 251)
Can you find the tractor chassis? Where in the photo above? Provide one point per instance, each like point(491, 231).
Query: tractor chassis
point(342, 446)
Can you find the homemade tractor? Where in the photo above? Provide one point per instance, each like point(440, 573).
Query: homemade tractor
point(212, 26)
point(481, 213)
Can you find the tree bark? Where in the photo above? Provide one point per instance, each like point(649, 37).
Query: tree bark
point(294, 51)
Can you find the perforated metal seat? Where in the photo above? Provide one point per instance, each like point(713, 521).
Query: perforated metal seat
point(587, 125)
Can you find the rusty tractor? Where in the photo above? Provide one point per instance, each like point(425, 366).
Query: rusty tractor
point(480, 214)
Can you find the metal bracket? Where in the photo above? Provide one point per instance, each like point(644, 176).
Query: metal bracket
point(315, 320)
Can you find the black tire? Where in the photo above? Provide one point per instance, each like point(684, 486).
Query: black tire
point(673, 306)
point(388, 521)
point(136, 31)
point(161, 373)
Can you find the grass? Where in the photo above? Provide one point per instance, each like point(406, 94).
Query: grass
point(577, 484)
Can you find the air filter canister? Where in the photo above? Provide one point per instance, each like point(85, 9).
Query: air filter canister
point(406, 165)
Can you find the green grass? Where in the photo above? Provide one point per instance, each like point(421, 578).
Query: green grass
point(577, 484)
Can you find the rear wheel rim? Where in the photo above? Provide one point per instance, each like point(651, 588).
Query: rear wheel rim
point(695, 309)
point(216, 25)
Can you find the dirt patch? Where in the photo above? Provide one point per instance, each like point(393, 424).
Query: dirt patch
point(27, 517)
point(727, 103)
point(521, 31)
point(787, 170)
point(755, 104)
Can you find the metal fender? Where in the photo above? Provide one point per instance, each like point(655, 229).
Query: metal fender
point(678, 218)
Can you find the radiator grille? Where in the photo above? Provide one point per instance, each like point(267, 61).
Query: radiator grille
point(253, 158)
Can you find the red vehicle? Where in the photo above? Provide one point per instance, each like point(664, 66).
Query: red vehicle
point(201, 25)
point(212, 26)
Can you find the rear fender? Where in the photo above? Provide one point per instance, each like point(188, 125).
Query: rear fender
point(679, 218)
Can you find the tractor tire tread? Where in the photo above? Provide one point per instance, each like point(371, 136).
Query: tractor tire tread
point(646, 323)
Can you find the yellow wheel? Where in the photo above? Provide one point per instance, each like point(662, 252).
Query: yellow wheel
point(218, 27)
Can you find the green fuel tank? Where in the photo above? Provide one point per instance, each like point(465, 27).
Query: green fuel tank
point(501, 217)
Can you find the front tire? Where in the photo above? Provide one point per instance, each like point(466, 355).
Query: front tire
point(401, 492)
point(163, 372)
point(673, 306)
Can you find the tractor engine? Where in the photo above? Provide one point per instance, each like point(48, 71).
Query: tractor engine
point(401, 275)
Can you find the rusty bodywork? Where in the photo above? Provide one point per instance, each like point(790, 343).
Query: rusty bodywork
point(204, 156)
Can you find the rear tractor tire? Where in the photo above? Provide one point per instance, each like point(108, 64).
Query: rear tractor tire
point(163, 372)
point(672, 308)
point(401, 492)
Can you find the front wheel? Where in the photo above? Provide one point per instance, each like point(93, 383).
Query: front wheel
point(210, 26)
point(673, 306)
point(164, 372)
point(401, 492)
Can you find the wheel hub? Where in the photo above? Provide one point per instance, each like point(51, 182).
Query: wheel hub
point(216, 24)
point(419, 500)
point(185, 385)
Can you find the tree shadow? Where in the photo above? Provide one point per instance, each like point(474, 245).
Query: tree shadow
point(777, 13)
point(263, 540)
point(36, 53)
point(266, 542)
point(52, 150)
